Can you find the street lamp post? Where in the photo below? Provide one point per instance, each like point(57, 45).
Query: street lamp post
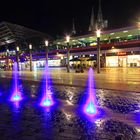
point(68, 53)
point(17, 54)
point(7, 52)
point(30, 51)
point(98, 33)
point(47, 44)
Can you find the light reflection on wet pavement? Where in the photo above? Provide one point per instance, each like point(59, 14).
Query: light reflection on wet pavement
point(118, 118)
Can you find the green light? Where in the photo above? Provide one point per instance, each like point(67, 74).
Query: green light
point(112, 33)
point(129, 35)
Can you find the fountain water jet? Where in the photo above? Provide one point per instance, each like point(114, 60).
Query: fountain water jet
point(90, 106)
point(16, 96)
point(47, 100)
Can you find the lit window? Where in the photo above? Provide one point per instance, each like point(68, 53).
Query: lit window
point(125, 31)
point(112, 33)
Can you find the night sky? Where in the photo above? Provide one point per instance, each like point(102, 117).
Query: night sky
point(55, 16)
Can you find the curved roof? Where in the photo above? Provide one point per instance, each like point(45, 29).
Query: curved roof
point(10, 33)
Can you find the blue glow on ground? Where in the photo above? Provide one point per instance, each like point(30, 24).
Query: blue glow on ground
point(136, 118)
point(16, 97)
point(90, 108)
point(46, 102)
point(90, 105)
point(16, 103)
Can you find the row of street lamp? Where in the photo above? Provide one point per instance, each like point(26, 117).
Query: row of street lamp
point(98, 33)
point(30, 55)
point(68, 53)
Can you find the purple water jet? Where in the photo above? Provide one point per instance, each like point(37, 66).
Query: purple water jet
point(16, 96)
point(90, 106)
point(47, 99)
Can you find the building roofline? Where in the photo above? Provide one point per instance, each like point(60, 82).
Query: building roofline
point(120, 29)
point(29, 29)
point(103, 32)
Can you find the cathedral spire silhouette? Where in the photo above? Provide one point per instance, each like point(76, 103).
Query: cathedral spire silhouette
point(100, 16)
point(100, 22)
point(92, 23)
point(73, 28)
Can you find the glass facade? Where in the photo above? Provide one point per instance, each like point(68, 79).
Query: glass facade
point(112, 61)
point(123, 61)
point(133, 60)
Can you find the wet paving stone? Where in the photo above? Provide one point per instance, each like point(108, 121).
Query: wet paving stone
point(119, 128)
point(29, 121)
point(121, 105)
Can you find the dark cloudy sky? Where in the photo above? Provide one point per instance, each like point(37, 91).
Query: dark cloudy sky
point(55, 16)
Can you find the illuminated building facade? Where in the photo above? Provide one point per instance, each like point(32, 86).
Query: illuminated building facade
point(119, 48)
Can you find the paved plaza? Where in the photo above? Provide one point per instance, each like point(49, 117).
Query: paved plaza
point(126, 79)
point(117, 103)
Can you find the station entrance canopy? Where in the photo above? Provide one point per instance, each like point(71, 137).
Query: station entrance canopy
point(107, 37)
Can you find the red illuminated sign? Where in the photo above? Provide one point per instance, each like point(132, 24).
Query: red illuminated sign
point(121, 53)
